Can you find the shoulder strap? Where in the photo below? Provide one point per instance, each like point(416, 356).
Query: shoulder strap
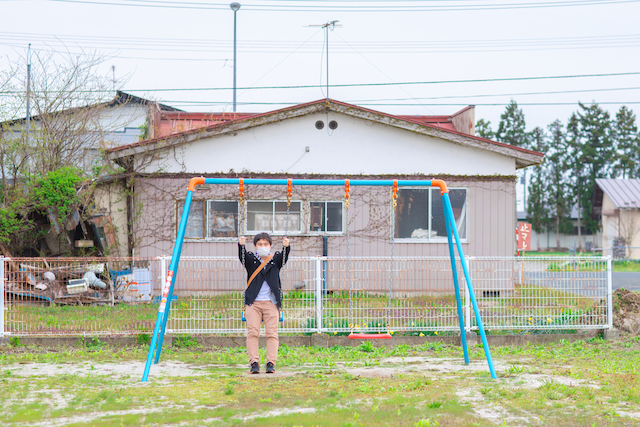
point(259, 269)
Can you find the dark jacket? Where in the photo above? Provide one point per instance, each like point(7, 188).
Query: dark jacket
point(270, 273)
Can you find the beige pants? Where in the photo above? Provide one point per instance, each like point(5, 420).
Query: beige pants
point(255, 314)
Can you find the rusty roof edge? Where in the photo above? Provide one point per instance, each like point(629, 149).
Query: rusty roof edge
point(523, 158)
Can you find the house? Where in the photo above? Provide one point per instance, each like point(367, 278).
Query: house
point(73, 136)
point(617, 204)
point(91, 128)
point(548, 239)
point(320, 139)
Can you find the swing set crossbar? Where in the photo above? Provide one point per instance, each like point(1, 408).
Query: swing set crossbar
point(322, 182)
point(453, 239)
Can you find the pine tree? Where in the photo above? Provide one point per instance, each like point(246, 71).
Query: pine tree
point(592, 152)
point(557, 175)
point(576, 168)
point(511, 129)
point(537, 206)
point(483, 129)
point(627, 159)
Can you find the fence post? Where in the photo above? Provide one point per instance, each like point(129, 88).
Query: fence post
point(319, 294)
point(2, 260)
point(609, 294)
point(467, 303)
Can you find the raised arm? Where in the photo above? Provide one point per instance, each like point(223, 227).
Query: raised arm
point(281, 258)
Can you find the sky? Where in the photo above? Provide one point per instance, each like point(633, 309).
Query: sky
point(161, 47)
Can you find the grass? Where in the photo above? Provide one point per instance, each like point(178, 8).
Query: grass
point(626, 266)
point(558, 253)
point(585, 383)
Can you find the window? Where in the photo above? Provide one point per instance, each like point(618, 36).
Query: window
point(271, 216)
point(195, 222)
point(325, 217)
point(221, 219)
point(420, 214)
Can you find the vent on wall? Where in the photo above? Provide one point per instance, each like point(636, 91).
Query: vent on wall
point(320, 124)
point(333, 125)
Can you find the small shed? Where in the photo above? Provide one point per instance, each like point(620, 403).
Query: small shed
point(617, 203)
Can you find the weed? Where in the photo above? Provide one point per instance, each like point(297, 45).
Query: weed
point(425, 422)
point(185, 341)
point(14, 341)
point(143, 339)
point(367, 347)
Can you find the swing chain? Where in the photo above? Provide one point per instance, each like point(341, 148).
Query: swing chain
point(393, 241)
point(395, 193)
point(241, 221)
point(347, 196)
point(286, 225)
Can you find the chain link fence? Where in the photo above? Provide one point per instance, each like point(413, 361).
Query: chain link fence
point(412, 296)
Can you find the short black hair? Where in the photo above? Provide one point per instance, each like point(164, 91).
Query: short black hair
point(262, 236)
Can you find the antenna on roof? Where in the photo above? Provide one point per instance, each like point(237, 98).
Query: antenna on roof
point(331, 25)
point(113, 70)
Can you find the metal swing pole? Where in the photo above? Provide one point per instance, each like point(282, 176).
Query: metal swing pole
point(454, 270)
point(167, 290)
point(448, 211)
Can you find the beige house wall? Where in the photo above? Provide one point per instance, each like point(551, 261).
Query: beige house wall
point(491, 219)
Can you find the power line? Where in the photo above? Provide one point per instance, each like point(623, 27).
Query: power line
point(401, 104)
point(402, 83)
point(575, 76)
point(274, 7)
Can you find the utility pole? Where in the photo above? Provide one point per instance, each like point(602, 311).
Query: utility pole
point(28, 92)
point(329, 25)
point(235, 6)
point(113, 70)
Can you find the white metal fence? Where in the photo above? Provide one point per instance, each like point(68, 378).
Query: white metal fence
point(333, 295)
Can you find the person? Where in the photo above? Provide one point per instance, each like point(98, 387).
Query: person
point(263, 297)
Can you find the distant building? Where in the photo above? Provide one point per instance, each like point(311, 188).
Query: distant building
point(617, 204)
point(547, 240)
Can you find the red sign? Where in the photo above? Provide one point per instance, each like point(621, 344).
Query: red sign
point(524, 236)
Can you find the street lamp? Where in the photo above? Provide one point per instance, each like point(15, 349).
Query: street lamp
point(235, 6)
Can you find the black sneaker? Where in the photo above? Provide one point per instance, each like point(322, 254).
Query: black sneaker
point(270, 368)
point(255, 368)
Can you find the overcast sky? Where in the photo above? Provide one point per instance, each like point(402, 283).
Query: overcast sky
point(180, 44)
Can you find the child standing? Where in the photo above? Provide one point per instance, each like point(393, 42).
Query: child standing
point(263, 296)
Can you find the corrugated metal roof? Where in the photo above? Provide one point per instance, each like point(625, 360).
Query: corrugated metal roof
point(624, 193)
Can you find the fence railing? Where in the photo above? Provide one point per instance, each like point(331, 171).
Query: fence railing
point(119, 296)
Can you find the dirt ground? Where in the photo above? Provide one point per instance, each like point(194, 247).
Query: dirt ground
point(626, 311)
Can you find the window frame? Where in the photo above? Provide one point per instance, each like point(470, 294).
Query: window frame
point(437, 240)
point(326, 233)
point(272, 232)
point(205, 221)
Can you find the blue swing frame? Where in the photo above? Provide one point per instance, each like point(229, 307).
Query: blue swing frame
point(155, 347)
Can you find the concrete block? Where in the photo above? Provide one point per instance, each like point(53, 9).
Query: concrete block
point(610, 334)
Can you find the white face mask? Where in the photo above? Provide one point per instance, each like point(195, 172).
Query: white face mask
point(263, 251)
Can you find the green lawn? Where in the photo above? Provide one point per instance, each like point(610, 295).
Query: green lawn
point(585, 383)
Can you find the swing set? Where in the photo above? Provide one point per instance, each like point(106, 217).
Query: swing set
point(453, 239)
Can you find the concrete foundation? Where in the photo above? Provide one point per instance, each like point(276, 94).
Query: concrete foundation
point(315, 340)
